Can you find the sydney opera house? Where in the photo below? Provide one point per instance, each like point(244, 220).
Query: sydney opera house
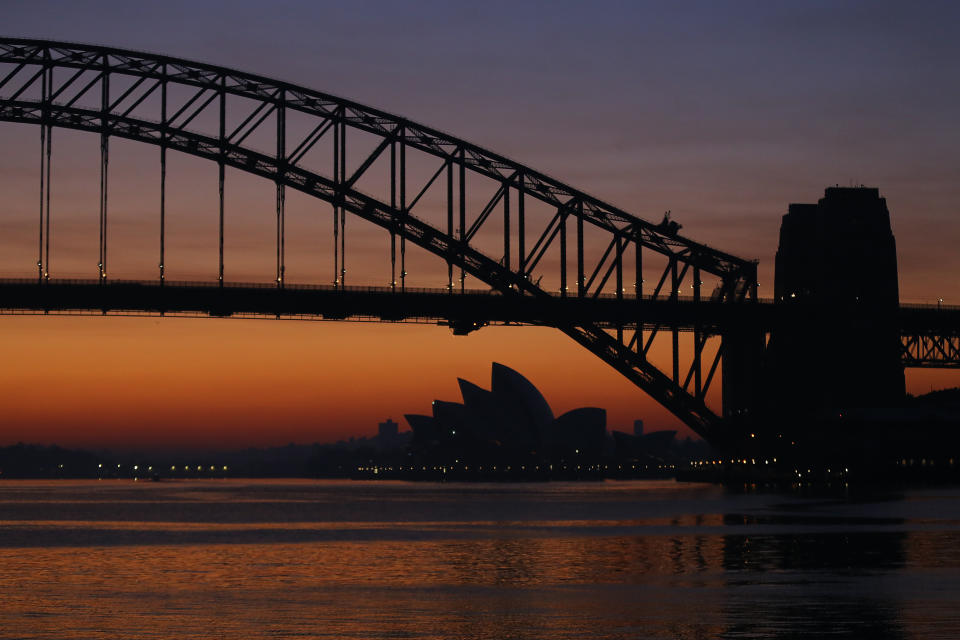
point(510, 422)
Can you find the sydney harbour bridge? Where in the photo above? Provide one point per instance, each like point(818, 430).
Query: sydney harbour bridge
point(515, 246)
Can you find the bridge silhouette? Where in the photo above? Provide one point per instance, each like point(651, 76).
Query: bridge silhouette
point(547, 254)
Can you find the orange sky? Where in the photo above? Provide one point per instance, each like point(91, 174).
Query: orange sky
point(138, 382)
point(230, 382)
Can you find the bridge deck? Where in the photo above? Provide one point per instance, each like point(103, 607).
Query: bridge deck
point(325, 302)
point(415, 305)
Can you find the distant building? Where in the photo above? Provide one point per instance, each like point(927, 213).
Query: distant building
point(387, 430)
point(658, 444)
point(389, 437)
point(512, 420)
point(638, 428)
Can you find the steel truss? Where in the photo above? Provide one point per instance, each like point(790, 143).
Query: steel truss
point(931, 350)
point(51, 83)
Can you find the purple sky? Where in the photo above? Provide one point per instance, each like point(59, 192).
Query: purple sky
point(723, 112)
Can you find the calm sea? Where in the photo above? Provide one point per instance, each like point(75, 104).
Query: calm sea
point(341, 559)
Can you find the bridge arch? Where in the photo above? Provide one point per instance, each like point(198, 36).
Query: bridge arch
point(30, 92)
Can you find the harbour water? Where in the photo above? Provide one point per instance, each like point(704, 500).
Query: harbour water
point(342, 559)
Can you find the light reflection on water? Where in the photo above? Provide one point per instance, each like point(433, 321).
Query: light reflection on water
point(241, 559)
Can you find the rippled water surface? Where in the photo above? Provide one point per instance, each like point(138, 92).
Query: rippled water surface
point(332, 559)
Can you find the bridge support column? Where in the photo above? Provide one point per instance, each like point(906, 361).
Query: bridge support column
point(741, 373)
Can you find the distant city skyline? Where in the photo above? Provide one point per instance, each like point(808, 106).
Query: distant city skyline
point(724, 114)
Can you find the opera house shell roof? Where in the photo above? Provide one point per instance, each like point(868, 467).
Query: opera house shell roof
point(512, 416)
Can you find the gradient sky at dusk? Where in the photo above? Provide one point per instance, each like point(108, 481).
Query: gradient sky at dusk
point(721, 112)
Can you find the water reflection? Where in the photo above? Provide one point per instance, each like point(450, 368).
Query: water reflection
point(812, 584)
point(623, 560)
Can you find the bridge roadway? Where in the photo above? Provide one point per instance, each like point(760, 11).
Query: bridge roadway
point(464, 311)
point(327, 302)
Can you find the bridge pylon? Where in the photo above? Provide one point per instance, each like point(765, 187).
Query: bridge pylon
point(837, 344)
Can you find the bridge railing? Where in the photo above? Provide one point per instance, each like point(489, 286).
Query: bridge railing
point(213, 284)
point(929, 305)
